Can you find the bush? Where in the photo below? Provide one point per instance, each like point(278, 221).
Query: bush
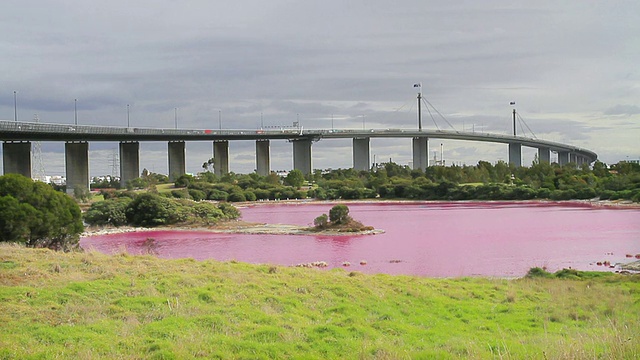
point(197, 195)
point(229, 211)
point(207, 212)
point(108, 212)
point(151, 210)
point(35, 214)
point(217, 195)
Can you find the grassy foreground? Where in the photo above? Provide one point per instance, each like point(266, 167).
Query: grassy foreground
point(89, 305)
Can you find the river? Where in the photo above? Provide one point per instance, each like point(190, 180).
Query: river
point(435, 239)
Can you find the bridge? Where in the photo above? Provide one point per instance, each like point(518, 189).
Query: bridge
point(17, 137)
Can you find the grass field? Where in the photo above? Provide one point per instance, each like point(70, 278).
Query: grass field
point(89, 305)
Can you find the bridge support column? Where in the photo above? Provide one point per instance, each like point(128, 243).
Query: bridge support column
point(573, 158)
point(302, 155)
point(361, 154)
point(221, 157)
point(563, 157)
point(263, 157)
point(515, 154)
point(16, 157)
point(76, 162)
point(544, 155)
point(177, 159)
point(420, 153)
point(129, 161)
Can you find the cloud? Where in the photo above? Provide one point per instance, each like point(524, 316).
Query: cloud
point(623, 110)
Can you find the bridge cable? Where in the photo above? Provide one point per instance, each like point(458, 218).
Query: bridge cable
point(527, 126)
point(438, 112)
point(432, 118)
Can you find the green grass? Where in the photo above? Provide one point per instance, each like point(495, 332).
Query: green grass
point(89, 305)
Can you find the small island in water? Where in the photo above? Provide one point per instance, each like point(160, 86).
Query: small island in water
point(339, 221)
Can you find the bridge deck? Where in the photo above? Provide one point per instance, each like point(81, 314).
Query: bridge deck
point(29, 131)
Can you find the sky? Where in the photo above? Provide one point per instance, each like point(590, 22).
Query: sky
point(572, 67)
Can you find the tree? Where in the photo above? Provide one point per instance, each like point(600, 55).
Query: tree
point(339, 214)
point(35, 214)
point(321, 221)
point(295, 178)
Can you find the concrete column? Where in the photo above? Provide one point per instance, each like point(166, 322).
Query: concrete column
point(544, 155)
point(515, 154)
point(76, 162)
point(420, 153)
point(361, 157)
point(129, 161)
point(573, 158)
point(302, 155)
point(16, 158)
point(220, 157)
point(177, 159)
point(563, 157)
point(263, 157)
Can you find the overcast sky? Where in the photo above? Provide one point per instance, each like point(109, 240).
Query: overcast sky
point(572, 67)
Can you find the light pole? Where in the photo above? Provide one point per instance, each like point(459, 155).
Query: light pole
point(363, 123)
point(15, 106)
point(128, 124)
point(75, 110)
point(419, 86)
point(176, 116)
point(261, 122)
point(220, 119)
point(513, 103)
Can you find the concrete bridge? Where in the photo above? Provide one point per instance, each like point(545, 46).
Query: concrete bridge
point(17, 137)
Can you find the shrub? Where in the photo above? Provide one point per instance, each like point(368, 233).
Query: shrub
point(209, 213)
point(229, 211)
point(35, 214)
point(108, 212)
point(151, 210)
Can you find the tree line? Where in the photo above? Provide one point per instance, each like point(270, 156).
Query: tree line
point(484, 181)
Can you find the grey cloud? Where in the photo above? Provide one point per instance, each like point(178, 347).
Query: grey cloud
point(623, 110)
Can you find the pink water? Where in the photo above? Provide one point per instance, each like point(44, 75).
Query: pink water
point(426, 239)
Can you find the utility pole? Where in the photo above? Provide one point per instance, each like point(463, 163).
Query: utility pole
point(75, 110)
point(176, 116)
point(128, 123)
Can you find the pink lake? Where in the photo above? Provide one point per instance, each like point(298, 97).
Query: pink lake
point(502, 239)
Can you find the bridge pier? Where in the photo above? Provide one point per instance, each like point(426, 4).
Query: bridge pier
point(129, 161)
point(515, 154)
point(76, 163)
point(361, 154)
point(420, 153)
point(221, 157)
point(177, 159)
point(16, 157)
point(302, 155)
point(544, 155)
point(573, 158)
point(563, 157)
point(263, 157)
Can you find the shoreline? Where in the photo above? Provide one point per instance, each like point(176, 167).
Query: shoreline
point(615, 204)
point(238, 227)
